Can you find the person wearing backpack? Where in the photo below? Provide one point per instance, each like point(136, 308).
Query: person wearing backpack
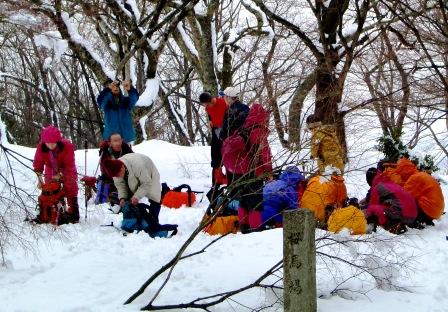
point(54, 160)
point(280, 195)
point(117, 106)
point(135, 176)
point(236, 113)
point(247, 159)
point(216, 108)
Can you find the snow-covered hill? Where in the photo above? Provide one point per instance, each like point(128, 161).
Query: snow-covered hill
point(87, 267)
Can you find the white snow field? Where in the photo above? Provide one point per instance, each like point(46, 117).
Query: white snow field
point(87, 267)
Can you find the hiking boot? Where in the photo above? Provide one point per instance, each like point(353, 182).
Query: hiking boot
point(163, 234)
point(35, 220)
point(66, 218)
point(245, 229)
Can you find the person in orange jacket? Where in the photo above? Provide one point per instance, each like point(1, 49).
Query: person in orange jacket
point(424, 188)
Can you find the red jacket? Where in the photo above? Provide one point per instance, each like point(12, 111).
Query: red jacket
point(60, 160)
point(247, 150)
point(258, 121)
point(216, 112)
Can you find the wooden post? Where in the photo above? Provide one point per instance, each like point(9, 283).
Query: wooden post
point(299, 261)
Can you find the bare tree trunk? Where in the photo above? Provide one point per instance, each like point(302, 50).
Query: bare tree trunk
point(267, 80)
point(296, 106)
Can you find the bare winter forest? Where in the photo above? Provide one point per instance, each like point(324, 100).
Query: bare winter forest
point(383, 60)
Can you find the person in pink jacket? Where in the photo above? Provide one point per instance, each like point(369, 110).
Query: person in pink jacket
point(390, 205)
point(55, 161)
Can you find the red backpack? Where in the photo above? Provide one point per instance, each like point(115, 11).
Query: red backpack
point(237, 153)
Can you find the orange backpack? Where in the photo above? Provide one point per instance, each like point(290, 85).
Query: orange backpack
point(176, 198)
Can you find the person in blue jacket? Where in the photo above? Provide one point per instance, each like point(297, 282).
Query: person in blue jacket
point(117, 106)
point(280, 195)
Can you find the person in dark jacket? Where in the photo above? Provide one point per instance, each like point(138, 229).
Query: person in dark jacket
point(370, 175)
point(236, 113)
point(113, 148)
point(281, 195)
point(117, 106)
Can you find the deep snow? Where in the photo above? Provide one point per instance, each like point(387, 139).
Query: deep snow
point(86, 267)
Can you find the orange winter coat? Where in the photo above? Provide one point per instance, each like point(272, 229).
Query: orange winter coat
point(405, 168)
point(349, 217)
point(423, 187)
point(321, 192)
point(427, 192)
point(393, 175)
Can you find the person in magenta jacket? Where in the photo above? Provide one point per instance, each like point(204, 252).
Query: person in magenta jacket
point(55, 160)
point(390, 205)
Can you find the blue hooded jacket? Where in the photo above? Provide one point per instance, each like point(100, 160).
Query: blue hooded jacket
point(118, 113)
point(281, 195)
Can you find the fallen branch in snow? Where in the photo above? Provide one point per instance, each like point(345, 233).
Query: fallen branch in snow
point(222, 296)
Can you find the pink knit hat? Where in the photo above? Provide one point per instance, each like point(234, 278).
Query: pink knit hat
point(50, 134)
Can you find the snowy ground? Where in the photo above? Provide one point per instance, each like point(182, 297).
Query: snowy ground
point(86, 267)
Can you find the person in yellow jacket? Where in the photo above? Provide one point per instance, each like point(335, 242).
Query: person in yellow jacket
point(325, 146)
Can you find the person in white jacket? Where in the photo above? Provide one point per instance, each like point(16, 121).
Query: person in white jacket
point(135, 177)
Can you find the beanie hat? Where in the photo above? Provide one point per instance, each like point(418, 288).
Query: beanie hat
point(370, 175)
point(232, 91)
point(205, 97)
point(50, 134)
point(113, 167)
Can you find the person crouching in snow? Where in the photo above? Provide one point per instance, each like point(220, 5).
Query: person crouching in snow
point(425, 189)
point(390, 206)
point(325, 147)
point(54, 160)
point(135, 176)
point(281, 195)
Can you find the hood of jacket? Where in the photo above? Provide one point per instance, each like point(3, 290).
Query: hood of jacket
point(405, 168)
point(291, 176)
point(257, 116)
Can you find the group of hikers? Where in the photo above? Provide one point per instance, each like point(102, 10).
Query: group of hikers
point(244, 196)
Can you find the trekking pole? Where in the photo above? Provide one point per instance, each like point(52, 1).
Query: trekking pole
point(85, 174)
